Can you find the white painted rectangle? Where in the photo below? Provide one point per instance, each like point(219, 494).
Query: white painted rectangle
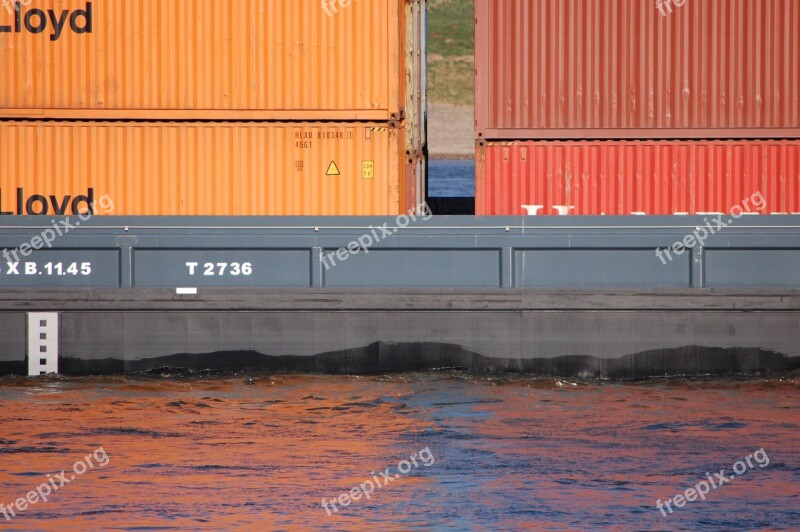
point(42, 343)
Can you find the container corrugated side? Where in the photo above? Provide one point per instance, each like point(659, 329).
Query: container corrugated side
point(205, 169)
point(619, 69)
point(208, 60)
point(629, 177)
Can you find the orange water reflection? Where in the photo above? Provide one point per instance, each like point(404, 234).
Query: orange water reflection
point(236, 453)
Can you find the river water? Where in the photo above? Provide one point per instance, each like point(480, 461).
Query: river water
point(481, 453)
point(451, 178)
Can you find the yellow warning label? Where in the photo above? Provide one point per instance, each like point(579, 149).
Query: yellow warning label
point(368, 169)
point(333, 169)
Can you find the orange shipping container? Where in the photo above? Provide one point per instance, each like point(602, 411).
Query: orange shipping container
point(206, 169)
point(578, 69)
point(209, 59)
point(627, 177)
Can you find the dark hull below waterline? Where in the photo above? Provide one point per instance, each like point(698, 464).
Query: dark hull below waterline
point(382, 358)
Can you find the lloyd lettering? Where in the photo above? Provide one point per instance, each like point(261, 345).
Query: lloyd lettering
point(37, 21)
point(40, 205)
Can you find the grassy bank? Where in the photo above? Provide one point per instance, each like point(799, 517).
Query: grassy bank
point(451, 61)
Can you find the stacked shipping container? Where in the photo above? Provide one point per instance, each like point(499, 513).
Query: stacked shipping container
point(619, 107)
point(215, 107)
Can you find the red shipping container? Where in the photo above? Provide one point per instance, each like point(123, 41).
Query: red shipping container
point(631, 177)
point(627, 69)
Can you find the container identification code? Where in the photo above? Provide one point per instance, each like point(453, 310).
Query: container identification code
point(304, 140)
